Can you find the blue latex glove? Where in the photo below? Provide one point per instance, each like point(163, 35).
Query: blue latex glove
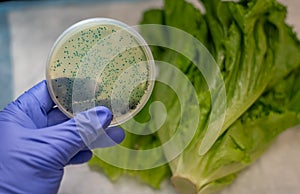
point(37, 141)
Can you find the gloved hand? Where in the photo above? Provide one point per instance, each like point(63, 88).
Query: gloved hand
point(37, 141)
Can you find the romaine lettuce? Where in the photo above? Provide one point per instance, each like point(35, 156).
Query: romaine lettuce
point(258, 55)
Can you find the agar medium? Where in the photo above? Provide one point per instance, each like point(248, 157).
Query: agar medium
point(100, 62)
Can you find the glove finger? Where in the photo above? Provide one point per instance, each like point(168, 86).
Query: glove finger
point(55, 116)
point(81, 157)
point(77, 133)
point(35, 103)
point(111, 137)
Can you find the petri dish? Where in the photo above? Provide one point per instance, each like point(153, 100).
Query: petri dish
point(100, 62)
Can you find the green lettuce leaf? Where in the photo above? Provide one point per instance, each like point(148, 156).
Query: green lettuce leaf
point(255, 51)
point(248, 137)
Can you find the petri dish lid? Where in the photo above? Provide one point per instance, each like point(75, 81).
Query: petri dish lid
point(100, 62)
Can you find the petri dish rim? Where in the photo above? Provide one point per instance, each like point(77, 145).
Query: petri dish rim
point(104, 21)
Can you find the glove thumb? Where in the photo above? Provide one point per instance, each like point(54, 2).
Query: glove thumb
point(80, 132)
point(92, 124)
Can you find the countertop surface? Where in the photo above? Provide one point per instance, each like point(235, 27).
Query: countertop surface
point(33, 32)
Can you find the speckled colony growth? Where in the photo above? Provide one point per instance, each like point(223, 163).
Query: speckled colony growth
point(98, 62)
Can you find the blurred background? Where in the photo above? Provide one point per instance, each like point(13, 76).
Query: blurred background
point(28, 30)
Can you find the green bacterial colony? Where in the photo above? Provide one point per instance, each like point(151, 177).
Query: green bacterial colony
point(99, 65)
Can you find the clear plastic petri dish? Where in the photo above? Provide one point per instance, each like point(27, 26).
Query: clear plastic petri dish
point(100, 62)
